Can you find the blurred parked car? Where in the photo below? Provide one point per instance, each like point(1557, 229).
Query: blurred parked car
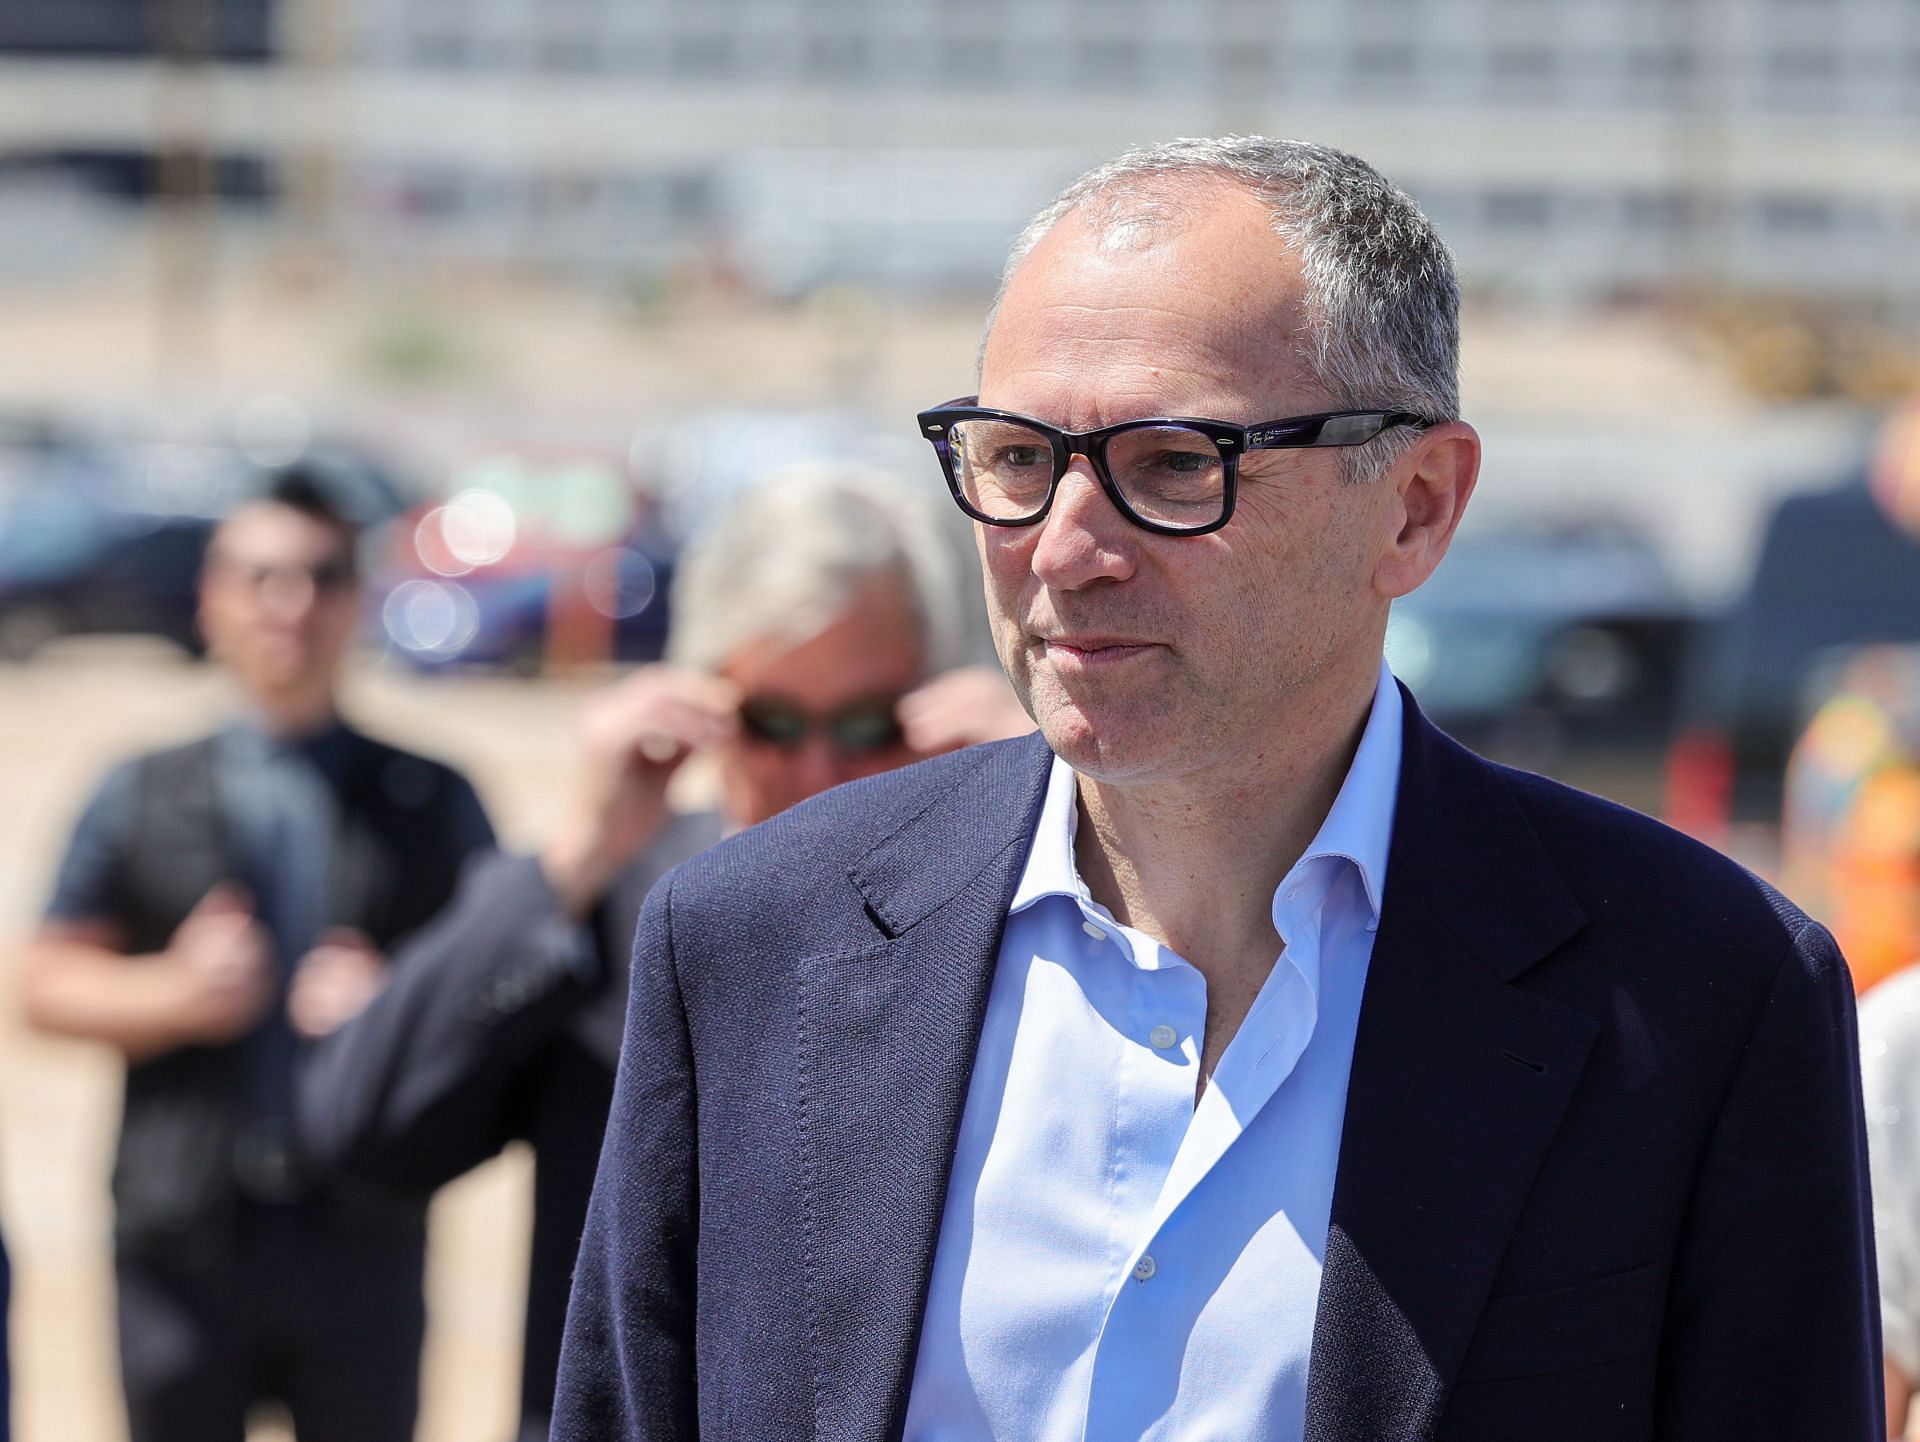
point(528, 564)
point(83, 550)
point(1834, 572)
point(1560, 652)
point(102, 537)
point(506, 618)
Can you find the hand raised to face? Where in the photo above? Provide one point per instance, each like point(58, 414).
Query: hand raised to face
point(634, 736)
point(966, 706)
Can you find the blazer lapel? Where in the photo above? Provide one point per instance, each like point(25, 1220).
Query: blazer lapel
point(888, 1032)
point(1459, 1082)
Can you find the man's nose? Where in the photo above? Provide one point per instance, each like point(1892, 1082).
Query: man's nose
point(289, 595)
point(1084, 538)
point(817, 765)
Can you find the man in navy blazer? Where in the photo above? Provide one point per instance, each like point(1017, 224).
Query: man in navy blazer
point(1241, 1057)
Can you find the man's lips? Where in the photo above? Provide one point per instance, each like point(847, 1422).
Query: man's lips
point(1095, 650)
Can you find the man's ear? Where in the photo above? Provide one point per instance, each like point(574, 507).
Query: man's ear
point(1431, 483)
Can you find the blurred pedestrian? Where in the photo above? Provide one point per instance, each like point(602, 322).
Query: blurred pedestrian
point(206, 887)
point(1241, 1057)
point(806, 622)
point(1850, 833)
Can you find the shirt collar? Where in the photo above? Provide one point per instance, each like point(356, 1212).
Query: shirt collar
point(1359, 825)
point(327, 747)
point(1050, 869)
point(1358, 828)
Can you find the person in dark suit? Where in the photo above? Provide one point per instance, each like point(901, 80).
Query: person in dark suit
point(806, 623)
point(1241, 1058)
point(220, 903)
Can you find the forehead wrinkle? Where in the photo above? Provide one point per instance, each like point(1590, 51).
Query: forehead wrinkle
point(1251, 319)
point(1073, 400)
point(1083, 382)
point(1248, 319)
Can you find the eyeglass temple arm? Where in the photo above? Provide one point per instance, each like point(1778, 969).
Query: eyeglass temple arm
point(1339, 428)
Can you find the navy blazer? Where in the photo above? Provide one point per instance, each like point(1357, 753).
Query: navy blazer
point(1602, 1176)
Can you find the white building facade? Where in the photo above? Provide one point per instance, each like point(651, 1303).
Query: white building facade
point(1570, 149)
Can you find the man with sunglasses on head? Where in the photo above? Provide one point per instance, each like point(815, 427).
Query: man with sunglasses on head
point(221, 903)
point(1241, 1058)
point(806, 622)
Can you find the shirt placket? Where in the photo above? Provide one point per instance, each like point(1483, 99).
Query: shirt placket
point(1276, 1032)
point(1161, 1014)
point(1153, 1091)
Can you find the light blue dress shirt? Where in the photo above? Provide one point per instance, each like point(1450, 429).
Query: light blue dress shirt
point(1115, 1262)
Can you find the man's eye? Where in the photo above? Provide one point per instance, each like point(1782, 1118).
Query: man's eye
point(1186, 463)
point(1022, 457)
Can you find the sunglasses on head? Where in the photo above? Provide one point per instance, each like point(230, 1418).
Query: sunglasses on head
point(856, 730)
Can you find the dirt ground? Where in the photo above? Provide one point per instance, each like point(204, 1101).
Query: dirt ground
point(62, 720)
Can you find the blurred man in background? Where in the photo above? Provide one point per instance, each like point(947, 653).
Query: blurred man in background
point(805, 626)
point(201, 882)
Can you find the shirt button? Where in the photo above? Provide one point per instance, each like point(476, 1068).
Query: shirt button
point(1144, 1268)
point(1093, 931)
point(1163, 1036)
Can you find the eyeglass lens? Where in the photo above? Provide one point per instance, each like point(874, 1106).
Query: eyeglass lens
point(852, 731)
point(1168, 474)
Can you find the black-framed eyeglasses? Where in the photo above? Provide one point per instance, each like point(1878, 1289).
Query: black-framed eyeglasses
point(1173, 475)
point(855, 730)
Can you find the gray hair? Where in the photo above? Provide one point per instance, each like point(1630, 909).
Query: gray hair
point(1383, 301)
point(795, 551)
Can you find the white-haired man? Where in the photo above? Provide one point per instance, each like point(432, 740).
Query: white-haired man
point(1244, 1060)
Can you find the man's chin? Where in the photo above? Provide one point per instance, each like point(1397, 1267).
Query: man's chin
point(281, 680)
point(1109, 748)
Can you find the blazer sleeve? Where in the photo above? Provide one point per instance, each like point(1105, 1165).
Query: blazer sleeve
point(1772, 1331)
point(426, 1082)
point(627, 1361)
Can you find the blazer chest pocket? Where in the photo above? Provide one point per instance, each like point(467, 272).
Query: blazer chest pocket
point(1532, 1333)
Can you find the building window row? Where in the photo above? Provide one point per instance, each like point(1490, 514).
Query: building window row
point(1374, 67)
